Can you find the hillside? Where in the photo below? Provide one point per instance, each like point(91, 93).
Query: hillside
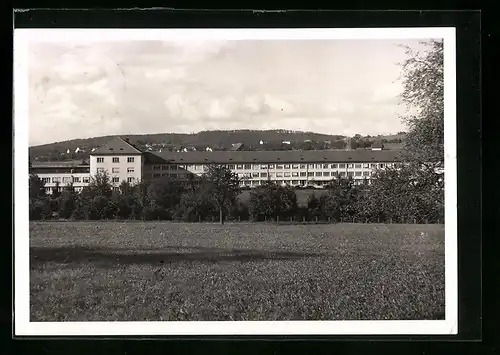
point(215, 140)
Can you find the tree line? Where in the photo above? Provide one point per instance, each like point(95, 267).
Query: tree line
point(411, 192)
point(396, 195)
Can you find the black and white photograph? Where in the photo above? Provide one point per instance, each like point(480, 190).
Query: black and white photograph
point(229, 181)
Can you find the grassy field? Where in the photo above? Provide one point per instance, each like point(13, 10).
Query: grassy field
point(82, 271)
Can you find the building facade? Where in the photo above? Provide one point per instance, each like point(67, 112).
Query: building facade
point(120, 159)
point(124, 162)
point(57, 175)
point(294, 168)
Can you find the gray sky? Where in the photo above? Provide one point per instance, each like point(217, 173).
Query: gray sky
point(335, 86)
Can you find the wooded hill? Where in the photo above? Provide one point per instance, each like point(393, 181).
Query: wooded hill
point(215, 140)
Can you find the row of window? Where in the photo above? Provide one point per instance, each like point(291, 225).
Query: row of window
point(306, 174)
point(294, 182)
point(180, 176)
point(116, 179)
point(307, 166)
point(77, 179)
point(66, 179)
point(278, 166)
point(116, 170)
point(116, 159)
point(175, 167)
point(60, 189)
point(284, 174)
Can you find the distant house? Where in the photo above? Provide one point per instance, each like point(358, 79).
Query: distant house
point(261, 142)
point(237, 146)
point(208, 149)
point(285, 142)
point(377, 146)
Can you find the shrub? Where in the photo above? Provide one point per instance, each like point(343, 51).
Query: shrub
point(39, 208)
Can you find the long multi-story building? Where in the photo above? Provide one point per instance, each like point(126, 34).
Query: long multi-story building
point(62, 173)
point(124, 162)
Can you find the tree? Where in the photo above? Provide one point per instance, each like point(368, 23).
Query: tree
point(223, 188)
point(100, 207)
point(70, 187)
point(56, 190)
point(67, 203)
point(423, 94)
point(39, 208)
point(95, 200)
point(127, 202)
point(415, 188)
point(240, 211)
point(403, 193)
point(271, 201)
point(82, 204)
point(39, 203)
point(36, 187)
point(126, 188)
point(165, 194)
point(195, 206)
point(314, 206)
point(341, 198)
point(100, 185)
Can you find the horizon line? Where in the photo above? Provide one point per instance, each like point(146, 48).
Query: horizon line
point(214, 130)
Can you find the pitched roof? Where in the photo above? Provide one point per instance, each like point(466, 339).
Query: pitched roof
point(311, 156)
point(152, 158)
point(117, 146)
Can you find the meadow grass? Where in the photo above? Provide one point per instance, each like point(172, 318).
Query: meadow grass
point(112, 271)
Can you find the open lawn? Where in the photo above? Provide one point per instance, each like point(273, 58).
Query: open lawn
point(97, 271)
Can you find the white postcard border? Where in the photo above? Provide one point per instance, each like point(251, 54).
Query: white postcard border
point(24, 327)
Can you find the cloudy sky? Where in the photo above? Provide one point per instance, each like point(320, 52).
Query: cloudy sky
point(82, 90)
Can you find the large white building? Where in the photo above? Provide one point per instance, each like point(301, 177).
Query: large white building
point(120, 159)
point(124, 162)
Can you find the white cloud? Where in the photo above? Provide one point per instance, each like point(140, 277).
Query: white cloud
point(79, 90)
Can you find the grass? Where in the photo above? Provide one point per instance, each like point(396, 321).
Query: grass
point(83, 271)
